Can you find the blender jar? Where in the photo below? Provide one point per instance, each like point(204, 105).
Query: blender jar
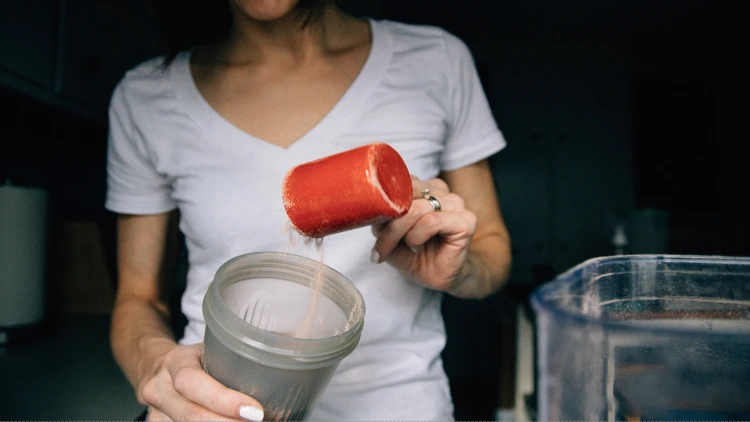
point(645, 337)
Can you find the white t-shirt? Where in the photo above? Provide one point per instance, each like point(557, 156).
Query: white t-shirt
point(418, 91)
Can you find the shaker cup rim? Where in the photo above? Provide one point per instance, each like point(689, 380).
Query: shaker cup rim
point(245, 339)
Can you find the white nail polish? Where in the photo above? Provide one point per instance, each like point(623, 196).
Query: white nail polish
point(251, 413)
point(374, 257)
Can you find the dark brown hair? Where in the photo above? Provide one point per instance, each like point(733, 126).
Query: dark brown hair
point(189, 23)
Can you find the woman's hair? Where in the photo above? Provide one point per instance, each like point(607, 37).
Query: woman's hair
point(189, 23)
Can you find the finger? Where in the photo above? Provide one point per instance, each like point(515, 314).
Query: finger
point(449, 202)
point(456, 200)
point(378, 228)
point(451, 227)
point(432, 186)
point(391, 234)
point(155, 415)
point(166, 404)
point(194, 384)
point(418, 187)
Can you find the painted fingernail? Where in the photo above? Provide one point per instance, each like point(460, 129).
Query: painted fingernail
point(251, 413)
point(374, 257)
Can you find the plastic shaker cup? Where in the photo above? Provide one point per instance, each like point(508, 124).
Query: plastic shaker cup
point(351, 189)
point(271, 337)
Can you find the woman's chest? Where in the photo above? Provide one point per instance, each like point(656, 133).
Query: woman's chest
point(280, 103)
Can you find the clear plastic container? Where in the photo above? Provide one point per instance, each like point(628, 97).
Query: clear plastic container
point(269, 335)
point(645, 337)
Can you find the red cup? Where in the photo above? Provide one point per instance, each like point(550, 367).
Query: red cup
point(351, 189)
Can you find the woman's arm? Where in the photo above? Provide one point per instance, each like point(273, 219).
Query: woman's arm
point(463, 249)
point(167, 377)
point(488, 264)
point(140, 333)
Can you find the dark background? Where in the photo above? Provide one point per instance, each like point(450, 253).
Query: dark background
point(686, 62)
point(665, 130)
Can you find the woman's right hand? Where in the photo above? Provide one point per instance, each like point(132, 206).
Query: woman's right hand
point(181, 390)
point(167, 377)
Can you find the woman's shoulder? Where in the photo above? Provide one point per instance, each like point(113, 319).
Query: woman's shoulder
point(152, 69)
point(147, 79)
point(418, 31)
point(408, 36)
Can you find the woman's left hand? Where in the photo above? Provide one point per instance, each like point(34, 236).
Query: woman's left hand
point(431, 242)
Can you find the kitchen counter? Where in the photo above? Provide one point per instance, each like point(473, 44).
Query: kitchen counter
point(67, 373)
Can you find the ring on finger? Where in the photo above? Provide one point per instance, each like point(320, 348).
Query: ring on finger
point(426, 193)
point(434, 202)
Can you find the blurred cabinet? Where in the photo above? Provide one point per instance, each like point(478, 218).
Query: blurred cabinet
point(523, 176)
point(560, 198)
point(80, 276)
point(567, 172)
point(28, 41)
point(102, 40)
point(72, 53)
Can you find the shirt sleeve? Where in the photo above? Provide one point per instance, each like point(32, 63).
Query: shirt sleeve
point(473, 133)
point(134, 186)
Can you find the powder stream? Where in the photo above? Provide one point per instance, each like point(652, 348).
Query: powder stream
point(308, 325)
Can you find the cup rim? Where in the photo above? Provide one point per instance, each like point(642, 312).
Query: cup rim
point(542, 298)
point(258, 344)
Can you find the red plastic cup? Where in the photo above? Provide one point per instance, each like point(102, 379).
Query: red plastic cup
point(351, 189)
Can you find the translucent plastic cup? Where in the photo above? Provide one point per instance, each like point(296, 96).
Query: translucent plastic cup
point(645, 337)
point(271, 336)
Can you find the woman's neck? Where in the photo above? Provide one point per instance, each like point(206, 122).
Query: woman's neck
point(287, 38)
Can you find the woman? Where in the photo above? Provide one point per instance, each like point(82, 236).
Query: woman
point(212, 131)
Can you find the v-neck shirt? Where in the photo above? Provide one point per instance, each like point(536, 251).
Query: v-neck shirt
point(343, 112)
point(418, 91)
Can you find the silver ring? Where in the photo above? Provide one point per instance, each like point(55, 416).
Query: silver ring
point(434, 202)
point(426, 193)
